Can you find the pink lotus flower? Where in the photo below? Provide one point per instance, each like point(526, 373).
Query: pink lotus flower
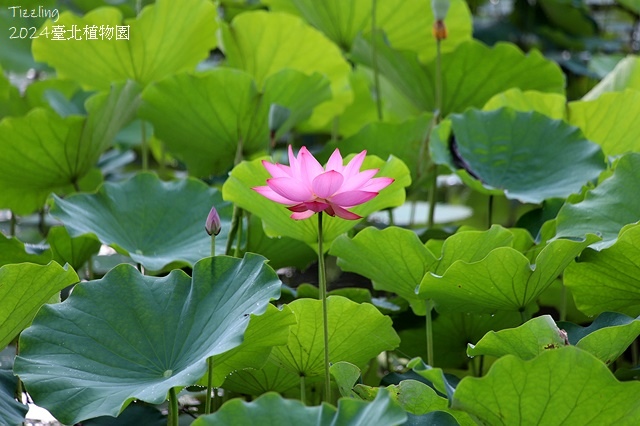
point(305, 187)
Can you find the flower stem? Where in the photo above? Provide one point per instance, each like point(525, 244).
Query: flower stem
point(207, 399)
point(13, 222)
point(173, 408)
point(374, 61)
point(325, 321)
point(429, 327)
point(213, 245)
point(145, 147)
point(303, 390)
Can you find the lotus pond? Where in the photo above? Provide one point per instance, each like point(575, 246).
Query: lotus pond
point(320, 212)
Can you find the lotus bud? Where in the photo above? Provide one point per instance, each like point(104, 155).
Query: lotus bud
point(440, 9)
point(213, 226)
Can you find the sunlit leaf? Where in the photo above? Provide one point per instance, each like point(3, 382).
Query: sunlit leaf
point(626, 75)
point(165, 38)
point(82, 358)
point(24, 288)
point(156, 223)
point(204, 119)
point(608, 280)
point(525, 154)
point(552, 105)
point(263, 333)
point(610, 121)
point(503, 280)
point(526, 342)
point(53, 154)
point(407, 23)
point(562, 386)
point(394, 259)
point(357, 333)
point(263, 44)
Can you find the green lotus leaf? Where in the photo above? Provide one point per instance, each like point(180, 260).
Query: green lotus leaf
point(607, 337)
point(276, 218)
point(609, 121)
point(408, 137)
point(526, 342)
point(357, 333)
point(625, 75)
point(465, 84)
point(281, 251)
point(166, 38)
point(552, 105)
point(74, 251)
point(83, 358)
point(346, 376)
point(525, 154)
point(12, 412)
point(394, 259)
point(606, 209)
point(156, 223)
point(573, 18)
point(263, 333)
point(12, 250)
point(202, 118)
point(608, 280)
point(24, 288)
point(263, 44)
point(505, 280)
point(559, 387)
point(269, 378)
point(15, 54)
point(452, 332)
point(414, 396)
point(407, 23)
point(631, 4)
point(53, 154)
point(271, 408)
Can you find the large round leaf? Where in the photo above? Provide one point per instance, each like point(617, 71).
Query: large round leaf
point(504, 280)
point(626, 75)
point(156, 223)
point(525, 154)
point(608, 280)
point(357, 333)
point(277, 219)
point(552, 105)
point(606, 209)
point(394, 259)
point(133, 336)
point(271, 409)
point(265, 43)
point(610, 121)
point(24, 288)
point(560, 387)
point(204, 119)
point(465, 84)
point(48, 153)
point(407, 23)
point(165, 38)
